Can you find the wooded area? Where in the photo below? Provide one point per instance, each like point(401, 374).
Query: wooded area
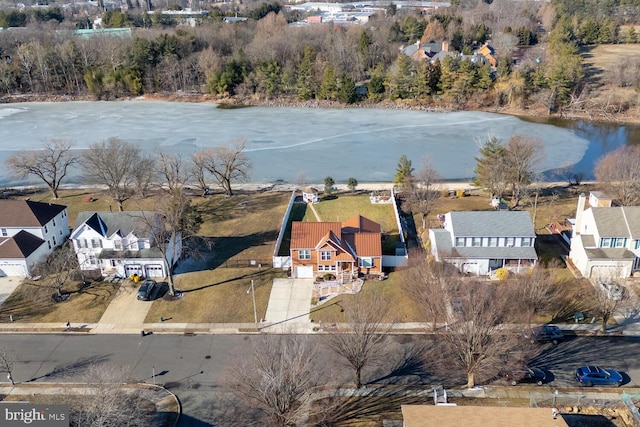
point(537, 45)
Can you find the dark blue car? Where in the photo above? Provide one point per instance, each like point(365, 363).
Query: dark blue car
point(595, 375)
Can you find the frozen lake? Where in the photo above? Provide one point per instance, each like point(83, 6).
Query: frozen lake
point(284, 142)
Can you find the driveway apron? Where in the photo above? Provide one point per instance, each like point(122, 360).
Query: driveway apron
point(124, 311)
point(7, 286)
point(289, 306)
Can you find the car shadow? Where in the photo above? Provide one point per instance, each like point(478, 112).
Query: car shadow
point(162, 288)
point(626, 379)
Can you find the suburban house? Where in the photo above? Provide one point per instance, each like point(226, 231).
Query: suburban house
point(606, 241)
point(29, 231)
point(489, 54)
point(425, 51)
point(483, 241)
point(480, 416)
point(343, 249)
point(122, 244)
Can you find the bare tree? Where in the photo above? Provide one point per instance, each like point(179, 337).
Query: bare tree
point(475, 341)
point(422, 193)
point(7, 363)
point(57, 268)
point(113, 163)
point(143, 174)
point(275, 378)
point(108, 402)
point(227, 164)
point(524, 156)
point(535, 291)
point(173, 172)
point(619, 171)
point(429, 284)
point(199, 171)
point(174, 225)
point(361, 339)
point(50, 164)
point(608, 297)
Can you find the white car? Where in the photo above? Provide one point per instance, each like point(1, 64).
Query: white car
point(613, 290)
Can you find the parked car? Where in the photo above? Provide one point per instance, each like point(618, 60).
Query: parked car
point(146, 290)
point(596, 375)
point(526, 375)
point(612, 290)
point(545, 333)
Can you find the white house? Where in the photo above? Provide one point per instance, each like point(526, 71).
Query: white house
point(480, 242)
point(29, 231)
point(122, 243)
point(606, 241)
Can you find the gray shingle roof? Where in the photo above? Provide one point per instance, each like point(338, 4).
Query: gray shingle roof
point(125, 222)
point(609, 253)
point(492, 224)
point(618, 221)
point(495, 252)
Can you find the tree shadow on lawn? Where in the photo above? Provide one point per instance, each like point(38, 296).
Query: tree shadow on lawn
point(244, 277)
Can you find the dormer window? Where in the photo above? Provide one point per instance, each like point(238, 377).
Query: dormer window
point(4, 233)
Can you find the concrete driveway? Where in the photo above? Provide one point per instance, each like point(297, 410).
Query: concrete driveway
point(7, 286)
point(125, 313)
point(289, 306)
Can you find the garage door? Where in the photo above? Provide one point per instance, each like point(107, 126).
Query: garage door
point(11, 270)
point(154, 270)
point(130, 269)
point(606, 272)
point(470, 268)
point(303, 272)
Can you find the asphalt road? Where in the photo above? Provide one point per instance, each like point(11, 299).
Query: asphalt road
point(194, 367)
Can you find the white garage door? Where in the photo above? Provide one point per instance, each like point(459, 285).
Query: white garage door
point(303, 272)
point(11, 270)
point(154, 270)
point(130, 269)
point(470, 268)
point(606, 272)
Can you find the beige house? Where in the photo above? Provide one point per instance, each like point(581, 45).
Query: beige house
point(479, 416)
point(606, 241)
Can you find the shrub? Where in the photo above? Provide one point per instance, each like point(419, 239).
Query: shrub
point(328, 276)
point(502, 273)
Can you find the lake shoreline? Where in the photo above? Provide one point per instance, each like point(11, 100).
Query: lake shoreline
point(242, 102)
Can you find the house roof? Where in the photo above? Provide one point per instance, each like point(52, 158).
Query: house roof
point(27, 213)
point(588, 241)
point(479, 416)
point(360, 224)
point(108, 223)
point(357, 236)
point(609, 254)
point(617, 221)
point(306, 235)
point(19, 246)
point(484, 252)
point(491, 223)
point(142, 253)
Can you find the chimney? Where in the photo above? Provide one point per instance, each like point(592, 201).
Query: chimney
point(579, 212)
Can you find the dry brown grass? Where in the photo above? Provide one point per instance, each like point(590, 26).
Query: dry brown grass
point(32, 303)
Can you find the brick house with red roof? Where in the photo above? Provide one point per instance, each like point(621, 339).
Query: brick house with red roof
point(29, 231)
point(347, 248)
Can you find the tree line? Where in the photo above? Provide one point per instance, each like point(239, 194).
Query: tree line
point(266, 57)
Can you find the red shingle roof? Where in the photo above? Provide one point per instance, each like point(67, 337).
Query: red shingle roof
point(306, 235)
point(26, 213)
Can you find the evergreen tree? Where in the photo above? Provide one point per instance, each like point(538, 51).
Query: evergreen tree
point(404, 172)
point(347, 92)
point(305, 76)
point(329, 86)
point(491, 167)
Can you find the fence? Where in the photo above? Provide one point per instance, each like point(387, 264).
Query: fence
point(630, 402)
point(545, 400)
point(280, 263)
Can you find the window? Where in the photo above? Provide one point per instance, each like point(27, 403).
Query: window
point(46, 230)
point(325, 255)
point(117, 245)
point(113, 263)
point(4, 232)
point(459, 241)
point(54, 222)
point(493, 241)
point(93, 260)
point(619, 242)
point(96, 243)
point(525, 242)
point(509, 241)
point(54, 240)
point(49, 244)
point(477, 241)
point(304, 254)
point(637, 245)
point(365, 262)
point(605, 242)
point(133, 245)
